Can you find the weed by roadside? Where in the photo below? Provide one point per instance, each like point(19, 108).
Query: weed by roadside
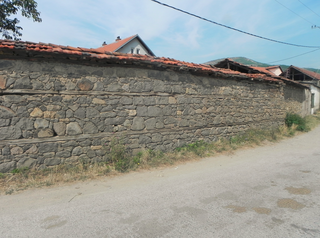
point(118, 160)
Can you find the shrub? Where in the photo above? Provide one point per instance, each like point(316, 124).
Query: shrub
point(295, 119)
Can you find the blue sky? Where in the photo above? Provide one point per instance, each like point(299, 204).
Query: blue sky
point(176, 35)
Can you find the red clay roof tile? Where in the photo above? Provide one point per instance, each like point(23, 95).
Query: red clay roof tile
point(52, 50)
point(114, 46)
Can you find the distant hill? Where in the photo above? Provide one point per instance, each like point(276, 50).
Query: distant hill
point(250, 62)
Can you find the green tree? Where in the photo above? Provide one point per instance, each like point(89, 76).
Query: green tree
point(8, 26)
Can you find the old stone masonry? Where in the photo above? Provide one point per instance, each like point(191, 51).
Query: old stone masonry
point(53, 113)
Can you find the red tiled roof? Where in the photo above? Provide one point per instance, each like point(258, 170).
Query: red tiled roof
point(262, 70)
point(311, 74)
point(41, 51)
point(116, 45)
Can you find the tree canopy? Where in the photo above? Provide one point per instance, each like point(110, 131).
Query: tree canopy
point(8, 24)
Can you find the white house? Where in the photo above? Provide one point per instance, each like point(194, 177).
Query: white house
point(131, 45)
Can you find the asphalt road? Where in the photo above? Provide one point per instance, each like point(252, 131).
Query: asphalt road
point(269, 191)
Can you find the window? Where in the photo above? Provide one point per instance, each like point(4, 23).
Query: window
point(138, 51)
point(312, 100)
point(132, 50)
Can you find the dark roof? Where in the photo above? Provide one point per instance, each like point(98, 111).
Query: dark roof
point(309, 73)
point(252, 69)
point(78, 55)
point(256, 70)
point(115, 46)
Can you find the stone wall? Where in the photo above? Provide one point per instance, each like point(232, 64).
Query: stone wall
point(298, 100)
point(52, 113)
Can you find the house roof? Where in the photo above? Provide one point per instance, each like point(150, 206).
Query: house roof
point(78, 55)
point(255, 69)
point(309, 73)
point(115, 46)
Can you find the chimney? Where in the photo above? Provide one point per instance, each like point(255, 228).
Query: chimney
point(104, 43)
point(118, 38)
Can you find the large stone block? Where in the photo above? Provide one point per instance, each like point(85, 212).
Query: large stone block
point(13, 98)
point(48, 147)
point(52, 161)
point(37, 112)
point(10, 133)
point(59, 128)
point(138, 124)
point(85, 85)
point(73, 128)
point(41, 124)
point(45, 133)
point(6, 113)
point(26, 162)
point(22, 83)
point(7, 167)
point(90, 128)
point(154, 111)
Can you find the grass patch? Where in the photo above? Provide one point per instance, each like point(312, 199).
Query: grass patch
point(118, 160)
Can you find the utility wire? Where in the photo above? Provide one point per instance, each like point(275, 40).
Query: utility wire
point(294, 12)
point(293, 56)
point(309, 8)
point(244, 32)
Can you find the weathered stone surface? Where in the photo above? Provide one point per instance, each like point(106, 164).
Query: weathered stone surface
point(138, 124)
point(159, 125)
point(126, 100)
point(53, 107)
point(143, 101)
point(91, 153)
point(49, 114)
point(16, 150)
point(26, 162)
point(3, 82)
point(10, 132)
point(45, 133)
point(156, 137)
point(92, 112)
point(172, 100)
point(143, 139)
point(23, 83)
point(63, 154)
point(142, 111)
point(6, 150)
point(132, 113)
point(52, 161)
point(59, 128)
point(48, 147)
point(32, 150)
point(154, 111)
point(37, 112)
point(77, 151)
point(98, 101)
point(41, 123)
point(115, 121)
point(108, 114)
point(6, 113)
point(13, 98)
point(49, 155)
point(85, 85)
point(90, 128)
point(80, 113)
point(4, 122)
point(7, 167)
point(150, 124)
point(25, 124)
point(127, 123)
point(183, 123)
point(73, 128)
